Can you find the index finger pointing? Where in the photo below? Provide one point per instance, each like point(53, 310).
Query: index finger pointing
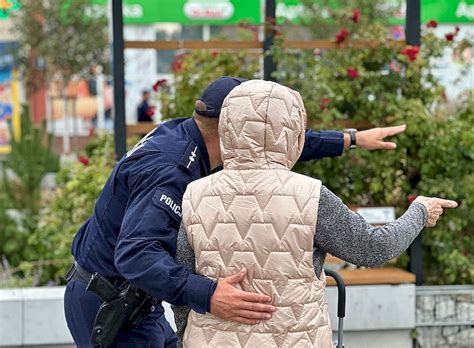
point(446, 203)
point(389, 131)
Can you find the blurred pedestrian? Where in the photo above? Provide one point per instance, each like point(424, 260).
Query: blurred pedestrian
point(145, 112)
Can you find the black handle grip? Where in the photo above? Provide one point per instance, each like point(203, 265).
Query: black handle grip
point(341, 292)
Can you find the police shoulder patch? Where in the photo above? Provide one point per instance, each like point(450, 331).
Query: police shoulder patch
point(168, 202)
point(190, 158)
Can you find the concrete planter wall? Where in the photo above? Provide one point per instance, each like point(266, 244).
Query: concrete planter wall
point(33, 317)
point(376, 316)
point(445, 316)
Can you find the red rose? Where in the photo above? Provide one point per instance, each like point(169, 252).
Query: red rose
point(411, 52)
point(450, 36)
point(177, 64)
point(411, 198)
point(342, 35)
point(324, 103)
point(150, 111)
point(158, 84)
point(352, 72)
point(214, 54)
point(84, 160)
point(432, 24)
point(356, 15)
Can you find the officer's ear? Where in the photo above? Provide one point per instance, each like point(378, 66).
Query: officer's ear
point(209, 126)
point(200, 106)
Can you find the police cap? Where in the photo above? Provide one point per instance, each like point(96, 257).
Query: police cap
point(214, 95)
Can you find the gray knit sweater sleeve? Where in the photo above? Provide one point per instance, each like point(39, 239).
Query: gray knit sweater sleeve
point(345, 234)
point(185, 257)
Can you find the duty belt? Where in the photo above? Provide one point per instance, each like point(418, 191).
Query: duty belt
point(124, 305)
point(76, 272)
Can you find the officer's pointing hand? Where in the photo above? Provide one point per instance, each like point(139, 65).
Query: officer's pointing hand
point(230, 303)
point(374, 139)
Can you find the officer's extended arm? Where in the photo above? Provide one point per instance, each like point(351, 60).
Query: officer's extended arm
point(319, 144)
point(332, 144)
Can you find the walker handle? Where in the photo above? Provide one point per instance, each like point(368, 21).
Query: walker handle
point(341, 292)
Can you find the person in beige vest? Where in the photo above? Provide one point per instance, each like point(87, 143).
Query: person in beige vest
point(259, 217)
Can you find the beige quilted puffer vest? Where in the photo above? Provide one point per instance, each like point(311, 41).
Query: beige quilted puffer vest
point(257, 214)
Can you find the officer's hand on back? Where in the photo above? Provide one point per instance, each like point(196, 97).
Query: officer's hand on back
point(230, 303)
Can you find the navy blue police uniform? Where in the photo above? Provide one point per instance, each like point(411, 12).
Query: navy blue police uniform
point(132, 232)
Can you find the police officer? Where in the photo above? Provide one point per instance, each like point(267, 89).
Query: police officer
point(131, 236)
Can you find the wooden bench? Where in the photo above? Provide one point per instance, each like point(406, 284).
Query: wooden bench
point(140, 129)
point(374, 276)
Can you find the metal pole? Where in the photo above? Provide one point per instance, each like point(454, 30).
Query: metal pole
point(415, 265)
point(75, 119)
point(206, 32)
point(66, 132)
point(47, 102)
point(413, 37)
point(413, 23)
point(269, 66)
point(119, 79)
point(52, 129)
point(340, 333)
point(100, 81)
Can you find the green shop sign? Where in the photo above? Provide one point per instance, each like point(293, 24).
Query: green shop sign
point(448, 11)
point(225, 12)
point(229, 12)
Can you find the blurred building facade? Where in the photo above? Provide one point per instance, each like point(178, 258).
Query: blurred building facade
point(90, 100)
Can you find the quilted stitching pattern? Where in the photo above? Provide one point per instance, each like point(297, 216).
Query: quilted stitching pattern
point(263, 125)
point(261, 219)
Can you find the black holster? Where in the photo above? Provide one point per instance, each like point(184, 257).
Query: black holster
point(125, 306)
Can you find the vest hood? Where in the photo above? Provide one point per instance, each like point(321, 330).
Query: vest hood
point(262, 125)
